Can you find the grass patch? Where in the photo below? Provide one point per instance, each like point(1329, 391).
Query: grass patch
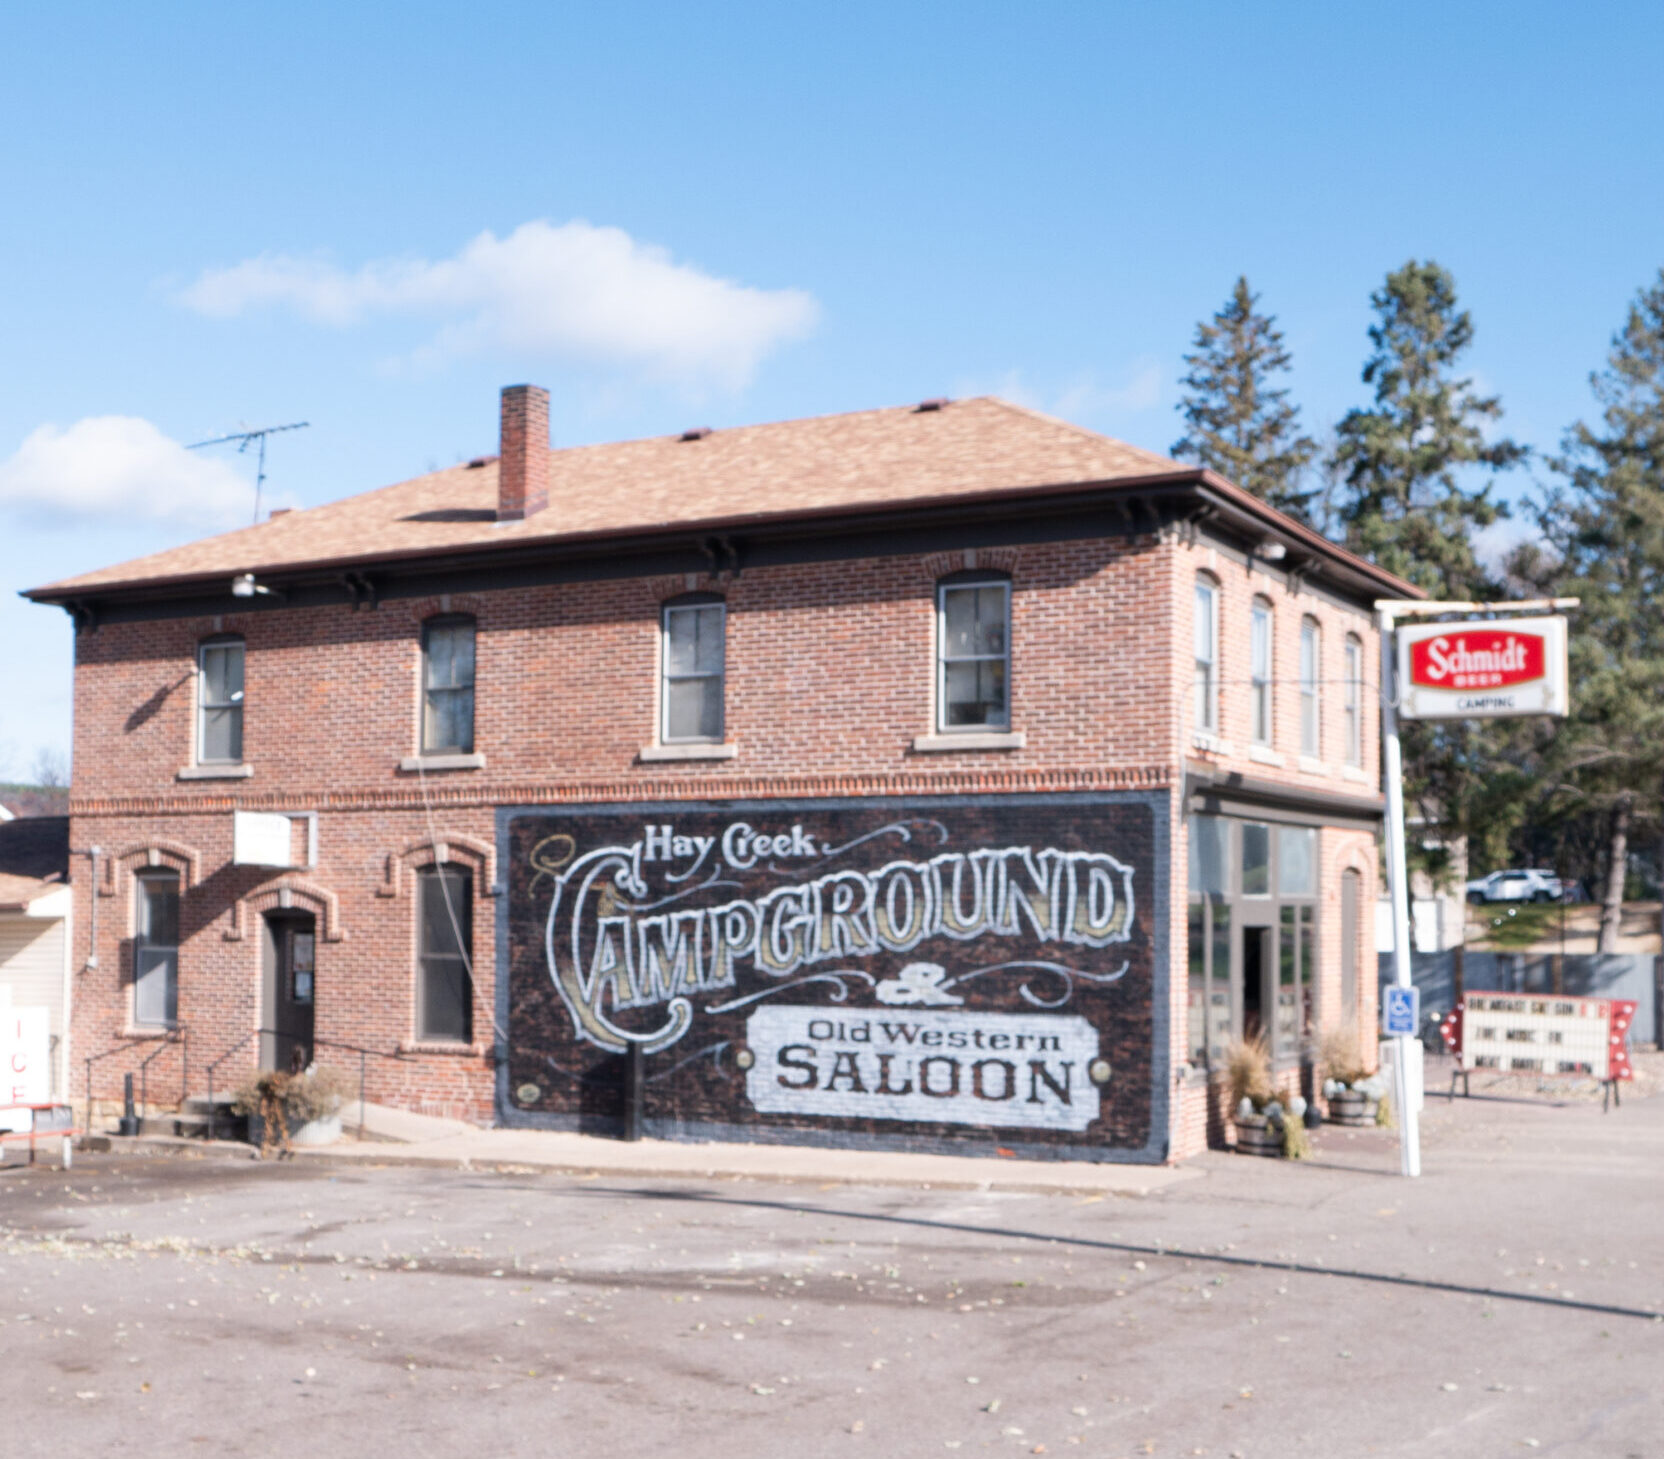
point(1511, 925)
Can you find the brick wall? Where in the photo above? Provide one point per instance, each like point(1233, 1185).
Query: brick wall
point(830, 678)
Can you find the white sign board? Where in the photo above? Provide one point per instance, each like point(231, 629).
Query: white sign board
point(261, 839)
point(1482, 670)
point(1013, 1070)
point(1400, 1011)
point(25, 1059)
point(1514, 1033)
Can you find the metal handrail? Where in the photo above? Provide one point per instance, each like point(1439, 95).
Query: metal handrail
point(184, 1041)
point(126, 1047)
point(363, 1056)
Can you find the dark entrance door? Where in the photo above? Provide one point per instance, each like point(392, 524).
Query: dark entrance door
point(1256, 963)
point(290, 991)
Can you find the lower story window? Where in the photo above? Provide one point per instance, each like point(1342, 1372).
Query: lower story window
point(445, 936)
point(156, 950)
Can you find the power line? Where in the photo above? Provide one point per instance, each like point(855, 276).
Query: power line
point(243, 438)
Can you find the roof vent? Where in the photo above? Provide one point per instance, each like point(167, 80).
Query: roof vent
point(934, 403)
point(281, 511)
point(478, 462)
point(698, 433)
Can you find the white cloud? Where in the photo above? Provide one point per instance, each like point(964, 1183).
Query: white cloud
point(121, 466)
point(572, 290)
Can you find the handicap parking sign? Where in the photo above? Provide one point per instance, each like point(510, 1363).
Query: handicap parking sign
point(1400, 1011)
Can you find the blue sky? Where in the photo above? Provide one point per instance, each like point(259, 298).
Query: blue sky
point(372, 217)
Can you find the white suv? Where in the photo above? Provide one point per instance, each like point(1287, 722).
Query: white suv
point(1534, 885)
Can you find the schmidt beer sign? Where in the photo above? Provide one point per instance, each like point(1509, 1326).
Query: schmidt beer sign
point(1482, 670)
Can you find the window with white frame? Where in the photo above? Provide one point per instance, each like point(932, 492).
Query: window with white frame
point(1204, 632)
point(444, 952)
point(694, 658)
point(156, 949)
point(1311, 684)
point(1259, 672)
point(220, 702)
point(1354, 701)
point(448, 686)
point(974, 654)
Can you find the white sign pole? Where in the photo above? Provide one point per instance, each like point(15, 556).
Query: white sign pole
point(1409, 1120)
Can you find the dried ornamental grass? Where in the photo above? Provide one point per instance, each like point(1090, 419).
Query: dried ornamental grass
point(1339, 1055)
point(1248, 1070)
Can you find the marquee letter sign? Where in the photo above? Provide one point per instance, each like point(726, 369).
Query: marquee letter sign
point(939, 970)
point(1477, 670)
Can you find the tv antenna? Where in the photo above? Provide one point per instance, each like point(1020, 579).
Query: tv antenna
point(243, 439)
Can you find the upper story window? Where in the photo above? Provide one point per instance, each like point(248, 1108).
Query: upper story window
point(1204, 632)
point(220, 701)
point(694, 657)
point(1259, 672)
point(448, 686)
point(156, 948)
point(974, 654)
point(1354, 701)
point(444, 951)
point(1311, 680)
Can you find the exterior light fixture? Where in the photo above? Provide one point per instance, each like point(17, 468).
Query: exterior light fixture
point(1273, 551)
point(244, 586)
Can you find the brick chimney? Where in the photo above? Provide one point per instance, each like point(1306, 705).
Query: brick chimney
point(523, 465)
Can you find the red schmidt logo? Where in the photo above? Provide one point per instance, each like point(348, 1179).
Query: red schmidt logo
point(1477, 659)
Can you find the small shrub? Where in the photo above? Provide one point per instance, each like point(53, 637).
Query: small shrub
point(1297, 1144)
point(313, 1095)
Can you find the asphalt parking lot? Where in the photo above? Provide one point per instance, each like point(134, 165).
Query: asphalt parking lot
point(1502, 1305)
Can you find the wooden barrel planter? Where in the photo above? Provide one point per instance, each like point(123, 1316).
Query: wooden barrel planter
point(1256, 1135)
point(1349, 1107)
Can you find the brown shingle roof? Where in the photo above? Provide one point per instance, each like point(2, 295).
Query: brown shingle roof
point(17, 892)
point(873, 458)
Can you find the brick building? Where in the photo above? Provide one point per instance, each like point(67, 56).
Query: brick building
point(943, 775)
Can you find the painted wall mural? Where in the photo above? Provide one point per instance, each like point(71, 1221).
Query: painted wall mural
point(939, 971)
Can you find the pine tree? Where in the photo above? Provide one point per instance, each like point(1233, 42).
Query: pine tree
point(1408, 502)
point(1237, 422)
point(1605, 525)
point(1406, 462)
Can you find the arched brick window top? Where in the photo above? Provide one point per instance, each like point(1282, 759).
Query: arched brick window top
point(478, 857)
point(154, 854)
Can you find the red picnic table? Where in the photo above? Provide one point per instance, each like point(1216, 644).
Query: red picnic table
point(36, 1122)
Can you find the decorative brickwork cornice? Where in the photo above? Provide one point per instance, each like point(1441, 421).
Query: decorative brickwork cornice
point(989, 780)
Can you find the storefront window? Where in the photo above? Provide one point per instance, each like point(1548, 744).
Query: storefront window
point(1256, 859)
point(1296, 974)
point(1209, 989)
point(1296, 861)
